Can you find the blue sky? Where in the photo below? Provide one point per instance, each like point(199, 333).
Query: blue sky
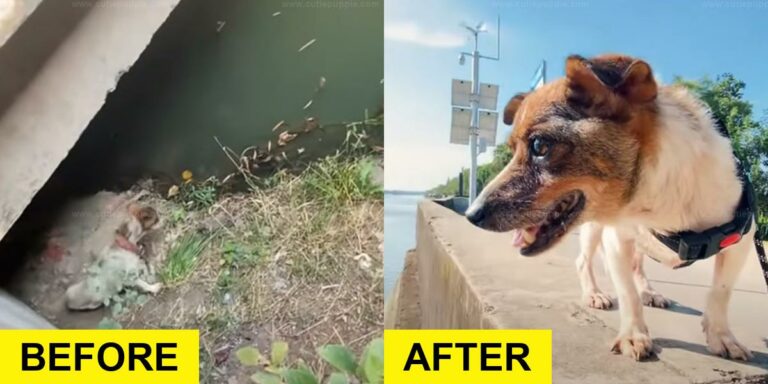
point(423, 38)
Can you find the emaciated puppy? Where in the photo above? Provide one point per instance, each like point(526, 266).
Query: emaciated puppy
point(119, 265)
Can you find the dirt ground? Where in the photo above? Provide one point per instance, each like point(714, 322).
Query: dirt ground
point(289, 262)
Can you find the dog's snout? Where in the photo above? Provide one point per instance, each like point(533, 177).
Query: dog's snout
point(476, 215)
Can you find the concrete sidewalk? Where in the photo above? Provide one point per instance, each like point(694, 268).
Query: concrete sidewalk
point(468, 278)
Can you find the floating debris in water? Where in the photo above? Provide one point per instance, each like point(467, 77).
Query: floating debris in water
point(308, 104)
point(278, 125)
point(310, 123)
point(228, 178)
point(269, 146)
point(220, 25)
point(300, 150)
point(285, 156)
point(322, 82)
point(278, 13)
point(305, 46)
point(285, 138)
point(382, 81)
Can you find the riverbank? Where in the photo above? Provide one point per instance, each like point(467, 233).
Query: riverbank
point(295, 258)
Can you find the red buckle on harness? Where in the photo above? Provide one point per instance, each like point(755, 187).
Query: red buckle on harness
point(730, 240)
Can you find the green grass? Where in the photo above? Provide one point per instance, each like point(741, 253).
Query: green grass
point(337, 179)
point(183, 257)
point(199, 195)
point(237, 256)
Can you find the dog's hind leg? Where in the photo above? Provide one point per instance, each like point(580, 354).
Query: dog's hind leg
point(590, 235)
point(633, 339)
point(648, 295)
point(728, 265)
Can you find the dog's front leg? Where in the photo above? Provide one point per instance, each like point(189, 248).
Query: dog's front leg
point(728, 265)
point(633, 339)
point(590, 235)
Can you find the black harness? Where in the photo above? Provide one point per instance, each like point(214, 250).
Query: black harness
point(694, 246)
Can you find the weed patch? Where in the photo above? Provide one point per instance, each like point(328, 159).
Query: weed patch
point(183, 256)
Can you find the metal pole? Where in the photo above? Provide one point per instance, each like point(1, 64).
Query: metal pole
point(474, 124)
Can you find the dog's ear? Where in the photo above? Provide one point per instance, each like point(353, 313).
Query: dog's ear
point(147, 216)
point(600, 78)
point(512, 106)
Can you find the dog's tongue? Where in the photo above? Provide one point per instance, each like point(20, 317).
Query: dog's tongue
point(525, 237)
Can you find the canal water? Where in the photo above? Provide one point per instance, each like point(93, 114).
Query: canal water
point(233, 69)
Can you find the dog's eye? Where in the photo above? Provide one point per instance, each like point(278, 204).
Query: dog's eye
point(540, 147)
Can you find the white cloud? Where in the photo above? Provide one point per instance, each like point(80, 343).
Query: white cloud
point(410, 32)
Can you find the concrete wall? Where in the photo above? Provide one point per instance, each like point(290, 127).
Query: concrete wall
point(12, 15)
point(462, 277)
point(58, 68)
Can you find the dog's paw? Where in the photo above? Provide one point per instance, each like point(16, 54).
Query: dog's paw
point(155, 288)
point(634, 343)
point(597, 299)
point(722, 342)
point(654, 299)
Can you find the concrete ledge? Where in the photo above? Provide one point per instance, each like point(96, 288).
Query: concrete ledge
point(403, 310)
point(60, 65)
point(468, 278)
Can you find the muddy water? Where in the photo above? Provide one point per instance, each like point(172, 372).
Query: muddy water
point(233, 69)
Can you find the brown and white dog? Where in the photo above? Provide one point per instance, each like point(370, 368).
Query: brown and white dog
point(119, 265)
point(606, 144)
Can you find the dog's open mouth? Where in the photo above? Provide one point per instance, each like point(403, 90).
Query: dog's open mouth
point(535, 239)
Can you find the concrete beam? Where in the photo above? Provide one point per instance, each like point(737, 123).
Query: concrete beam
point(58, 68)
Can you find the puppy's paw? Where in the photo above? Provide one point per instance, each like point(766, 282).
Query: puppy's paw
point(155, 288)
point(720, 341)
point(597, 299)
point(654, 299)
point(633, 343)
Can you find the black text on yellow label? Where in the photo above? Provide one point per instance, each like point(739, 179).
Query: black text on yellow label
point(468, 356)
point(99, 356)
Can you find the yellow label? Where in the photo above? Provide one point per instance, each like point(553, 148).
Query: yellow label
point(99, 356)
point(468, 356)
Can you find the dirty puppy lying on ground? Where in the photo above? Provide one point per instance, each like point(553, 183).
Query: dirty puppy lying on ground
point(119, 265)
point(606, 144)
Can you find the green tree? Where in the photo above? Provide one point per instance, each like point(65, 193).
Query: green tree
point(485, 173)
point(725, 97)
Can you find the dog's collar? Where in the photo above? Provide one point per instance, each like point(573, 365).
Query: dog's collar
point(693, 246)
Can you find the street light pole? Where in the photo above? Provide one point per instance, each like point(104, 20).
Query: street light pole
point(474, 126)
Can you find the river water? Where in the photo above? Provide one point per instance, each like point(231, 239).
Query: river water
point(399, 233)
